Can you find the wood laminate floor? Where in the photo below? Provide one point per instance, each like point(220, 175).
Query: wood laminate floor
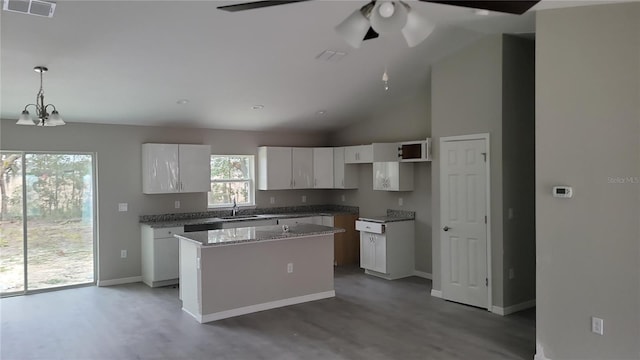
point(369, 318)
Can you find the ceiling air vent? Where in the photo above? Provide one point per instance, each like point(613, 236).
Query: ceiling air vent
point(30, 7)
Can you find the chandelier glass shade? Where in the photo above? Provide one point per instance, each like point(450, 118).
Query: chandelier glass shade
point(44, 118)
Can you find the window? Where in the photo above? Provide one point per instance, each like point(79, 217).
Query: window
point(232, 176)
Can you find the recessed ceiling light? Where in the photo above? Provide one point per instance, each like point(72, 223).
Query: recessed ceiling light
point(182, 101)
point(322, 112)
point(481, 12)
point(257, 107)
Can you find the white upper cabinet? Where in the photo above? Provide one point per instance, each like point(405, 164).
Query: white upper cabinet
point(195, 168)
point(345, 176)
point(274, 168)
point(376, 152)
point(323, 168)
point(392, 176)
point(359, 154)
point(172, 168)
point(302, 167)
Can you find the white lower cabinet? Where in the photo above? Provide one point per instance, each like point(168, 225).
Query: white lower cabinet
point(160, 255)
point(373, 252)
point(387, 250)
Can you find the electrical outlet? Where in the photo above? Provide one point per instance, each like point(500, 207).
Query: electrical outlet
point(272, 200)
point(123, 207)
point(400, 201)
point(597, 325)
point(123, 254)
point(304, 198)
point(289, 268)
point(512, 274)
point(344, 198)
point(176, 204)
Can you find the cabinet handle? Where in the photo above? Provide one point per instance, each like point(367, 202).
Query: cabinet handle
point(315, 182)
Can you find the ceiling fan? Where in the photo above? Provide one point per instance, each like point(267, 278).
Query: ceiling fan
point(386, 16)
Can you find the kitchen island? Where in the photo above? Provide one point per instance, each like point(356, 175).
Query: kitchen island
point(231, 272)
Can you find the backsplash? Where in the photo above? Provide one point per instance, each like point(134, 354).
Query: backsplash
point(401, 213)
point(274, 210)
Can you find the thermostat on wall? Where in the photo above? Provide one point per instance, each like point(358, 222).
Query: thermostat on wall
point(562, 192)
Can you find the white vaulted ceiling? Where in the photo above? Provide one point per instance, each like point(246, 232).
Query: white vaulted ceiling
point(128, 62)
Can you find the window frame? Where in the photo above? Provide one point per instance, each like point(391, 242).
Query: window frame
point(251, 180)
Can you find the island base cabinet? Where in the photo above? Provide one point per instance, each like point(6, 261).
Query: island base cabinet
point(218, 282)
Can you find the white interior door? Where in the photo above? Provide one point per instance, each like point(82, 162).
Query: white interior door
point(463, 230)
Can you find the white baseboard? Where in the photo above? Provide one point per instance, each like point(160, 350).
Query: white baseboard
point(436, 293)
point(128, 280)
point(422, 274)
point(513, 308)
point(540, 353)
point(261, 307)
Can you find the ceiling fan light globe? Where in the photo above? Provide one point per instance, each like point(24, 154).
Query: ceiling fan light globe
point(386, 9)
point(417, 29)
point(354, 28)
point(388, 25)
point(25, 119)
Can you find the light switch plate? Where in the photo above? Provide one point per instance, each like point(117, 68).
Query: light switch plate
point(122, 207)
point(272, 200)
point(176, 204)
point(304, 198)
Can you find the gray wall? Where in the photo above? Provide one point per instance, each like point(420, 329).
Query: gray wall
point(488, 87)
point(588, 136)
point(405, 120)
point(518, 169)
point(118, 151)
point(466, 93)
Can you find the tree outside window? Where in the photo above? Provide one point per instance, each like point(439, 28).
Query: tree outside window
point(232, 176)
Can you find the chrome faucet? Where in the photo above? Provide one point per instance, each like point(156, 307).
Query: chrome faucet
point(234, 209)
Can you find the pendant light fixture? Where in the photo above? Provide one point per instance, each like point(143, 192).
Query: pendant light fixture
point(44, 118)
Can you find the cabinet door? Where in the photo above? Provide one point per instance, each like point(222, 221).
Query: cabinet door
point(345, 176)
point(302, 167)
point(195, 168)
point(359, 154)
point(327, 221)
point(165, 259)
point(160, 168)
point(381, 179)
point(323, 168)
point(367, 251)
point(274, 168)
point(380, 252)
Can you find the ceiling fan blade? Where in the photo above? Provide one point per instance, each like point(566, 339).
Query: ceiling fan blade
point(256, 5)
point(371, 34)
point(506, 6)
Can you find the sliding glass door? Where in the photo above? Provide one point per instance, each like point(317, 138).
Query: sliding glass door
point(48, 234)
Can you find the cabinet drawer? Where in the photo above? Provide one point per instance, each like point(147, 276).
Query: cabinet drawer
point(368, 226)
point(167, 232)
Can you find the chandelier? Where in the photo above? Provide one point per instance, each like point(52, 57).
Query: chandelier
point(43, 116)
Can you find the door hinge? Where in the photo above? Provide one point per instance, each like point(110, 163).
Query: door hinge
point(486, 282)
point(485, 219)
point(484, 155)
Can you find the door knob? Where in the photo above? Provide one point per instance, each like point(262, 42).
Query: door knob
point(446, 228)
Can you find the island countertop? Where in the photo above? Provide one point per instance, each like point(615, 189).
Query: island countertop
point(256, 234)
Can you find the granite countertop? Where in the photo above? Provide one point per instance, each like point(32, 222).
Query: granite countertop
point(213, 217)
point(255, 234)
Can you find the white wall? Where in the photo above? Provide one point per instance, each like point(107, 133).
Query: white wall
point(408, 119)
point(118, 158)
point(588, 133)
